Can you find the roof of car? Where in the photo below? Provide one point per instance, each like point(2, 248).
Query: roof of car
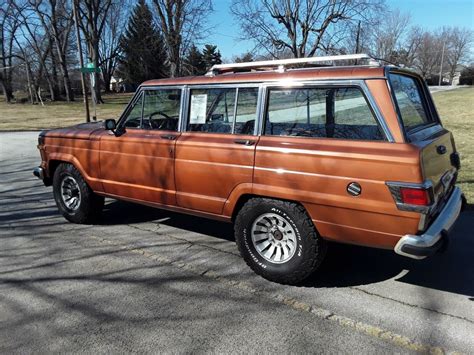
point(315, 73)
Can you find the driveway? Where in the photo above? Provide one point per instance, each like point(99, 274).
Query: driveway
point(146, 280)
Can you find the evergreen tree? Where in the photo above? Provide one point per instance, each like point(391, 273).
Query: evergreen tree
point(211, 56)
point(194, 63)
point(244, 58)
point(143, 52)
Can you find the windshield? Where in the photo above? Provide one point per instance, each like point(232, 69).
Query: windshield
point(411, 103)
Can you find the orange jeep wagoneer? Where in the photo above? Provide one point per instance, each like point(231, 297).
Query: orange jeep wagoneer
point(292, 152)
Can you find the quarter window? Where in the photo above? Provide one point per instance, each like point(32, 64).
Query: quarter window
point(321, 112)
point(411, 105)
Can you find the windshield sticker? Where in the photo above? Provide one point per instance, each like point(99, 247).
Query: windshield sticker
point(198, 109)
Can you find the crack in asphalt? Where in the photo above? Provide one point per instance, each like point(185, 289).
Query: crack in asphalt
point(411, 305)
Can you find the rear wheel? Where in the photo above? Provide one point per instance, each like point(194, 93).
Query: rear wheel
point(277, 239)
point(75, 199)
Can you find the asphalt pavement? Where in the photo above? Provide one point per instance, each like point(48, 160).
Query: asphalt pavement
point(147, 280)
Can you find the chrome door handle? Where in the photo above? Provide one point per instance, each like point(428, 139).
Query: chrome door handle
point(170, 137)
point(244, 142)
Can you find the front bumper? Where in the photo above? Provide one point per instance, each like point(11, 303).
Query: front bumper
point(39, 172)
point(421, 246)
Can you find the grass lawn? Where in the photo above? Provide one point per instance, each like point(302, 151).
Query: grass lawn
point(14, 117)
point(456, 108)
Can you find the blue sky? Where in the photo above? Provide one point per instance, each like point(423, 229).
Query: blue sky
point(428, 14)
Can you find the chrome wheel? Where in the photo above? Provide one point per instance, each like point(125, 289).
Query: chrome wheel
point(274, 238)
point(70, 193)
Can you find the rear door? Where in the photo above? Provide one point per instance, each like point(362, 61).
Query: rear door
point(216, 152)
point(423, 128)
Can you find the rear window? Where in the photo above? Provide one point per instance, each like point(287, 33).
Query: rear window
point(410, 101)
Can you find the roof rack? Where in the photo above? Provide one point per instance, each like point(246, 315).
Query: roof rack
point(282, 64)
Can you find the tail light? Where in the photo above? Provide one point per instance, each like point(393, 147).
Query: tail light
point(412, 196)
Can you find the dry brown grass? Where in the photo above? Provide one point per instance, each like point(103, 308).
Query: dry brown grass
point(17, 116)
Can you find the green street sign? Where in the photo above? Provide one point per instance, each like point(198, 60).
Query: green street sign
point(90, 70)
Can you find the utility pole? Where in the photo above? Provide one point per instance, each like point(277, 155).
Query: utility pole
point(357, 41)
point(81, 61)
point(441, 67)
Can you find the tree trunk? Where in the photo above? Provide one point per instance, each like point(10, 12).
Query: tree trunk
point(7, 92)
point(95, 60)
point(67, 82)
point(54, 78)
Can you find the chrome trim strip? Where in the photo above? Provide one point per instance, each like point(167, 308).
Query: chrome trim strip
point(262, 97)
point(183, 114)
point(443, 222)
point(236, 100)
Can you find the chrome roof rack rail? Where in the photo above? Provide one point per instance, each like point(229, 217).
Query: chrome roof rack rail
point(281, 64)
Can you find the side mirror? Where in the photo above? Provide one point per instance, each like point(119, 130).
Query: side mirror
point(110, 124)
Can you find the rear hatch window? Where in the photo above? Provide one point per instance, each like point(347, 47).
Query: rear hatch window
point(411, 104)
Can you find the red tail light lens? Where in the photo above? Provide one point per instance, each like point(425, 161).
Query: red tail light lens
point(417, 197)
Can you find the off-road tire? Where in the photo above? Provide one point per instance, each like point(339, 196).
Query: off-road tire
point(310, 248)
point(90, 205)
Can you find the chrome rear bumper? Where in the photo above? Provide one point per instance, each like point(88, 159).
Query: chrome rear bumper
point(421, 246)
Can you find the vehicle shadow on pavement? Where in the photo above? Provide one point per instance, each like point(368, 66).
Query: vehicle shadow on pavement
point(345, 265)
point(120, 212)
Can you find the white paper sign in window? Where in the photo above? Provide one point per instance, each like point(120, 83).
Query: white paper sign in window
point(198, 109)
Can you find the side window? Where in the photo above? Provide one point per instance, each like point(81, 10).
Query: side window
point(134, 116)
point(246, 112)
point(161, 109)
point(341, 113)
point(296, 112)
point(211, 110)
point(353, 118)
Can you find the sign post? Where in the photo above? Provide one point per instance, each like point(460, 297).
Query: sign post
point(81, 61)
point(91, 69)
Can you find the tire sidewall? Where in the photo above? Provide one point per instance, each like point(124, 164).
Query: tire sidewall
point(247, 245)
point(60, 174)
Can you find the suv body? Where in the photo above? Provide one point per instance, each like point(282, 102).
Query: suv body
point(351, 154)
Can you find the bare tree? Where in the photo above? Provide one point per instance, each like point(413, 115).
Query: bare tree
point(389, 35)
point(93, 18)
point(109, 47)
point(301, 27)
point(9, 24)
point(428, 54)
point(181, 24)
point(56, 18)
point(458, 49)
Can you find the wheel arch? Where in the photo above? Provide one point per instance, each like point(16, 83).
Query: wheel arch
point(56, 159)
point(244, 198)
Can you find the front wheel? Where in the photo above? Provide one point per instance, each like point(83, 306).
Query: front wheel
point(75, 199)
point(277, 239)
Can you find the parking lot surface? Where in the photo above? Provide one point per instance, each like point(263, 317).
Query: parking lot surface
point(146, 280)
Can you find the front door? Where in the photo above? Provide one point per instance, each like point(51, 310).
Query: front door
point(216, 152)
point(139, 164)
